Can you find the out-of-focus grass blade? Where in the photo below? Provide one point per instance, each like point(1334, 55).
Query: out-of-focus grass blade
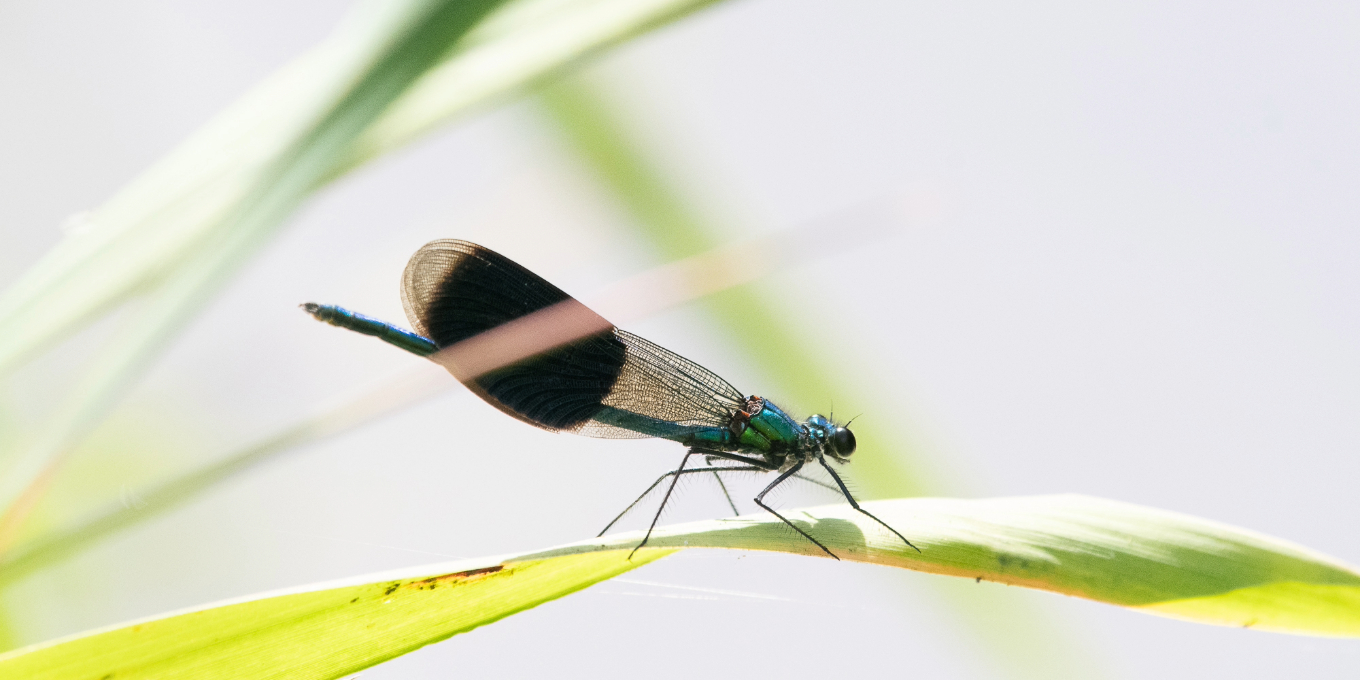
point(520, 44)
point(182, 229)
point(9, 638)
point(409, 388)
point(382, 49)
point(1149, 560)
point(138, 237)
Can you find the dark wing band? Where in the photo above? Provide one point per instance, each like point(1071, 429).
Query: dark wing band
point(453, 290)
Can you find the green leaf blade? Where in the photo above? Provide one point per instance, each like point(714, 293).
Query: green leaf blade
point(1148, 560)
point(1285, 607)
point(325, 633)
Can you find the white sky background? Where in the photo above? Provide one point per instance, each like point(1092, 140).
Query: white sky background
point(1126, 269)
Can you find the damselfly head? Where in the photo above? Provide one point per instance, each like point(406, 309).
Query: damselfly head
point(840, 441)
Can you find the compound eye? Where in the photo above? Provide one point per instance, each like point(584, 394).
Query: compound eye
point(844, 441)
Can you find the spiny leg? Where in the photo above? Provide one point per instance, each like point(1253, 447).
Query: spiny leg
point(737, 457)
point(728, 496)
point(752, 468)
point(759, 464)
point(742, 468)
point(855, 505)
point(759, 501)
point(678, 471)
point(818, 482)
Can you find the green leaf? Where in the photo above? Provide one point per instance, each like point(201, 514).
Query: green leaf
point(1149, 560)
point(1152, 560)
point(328, 632)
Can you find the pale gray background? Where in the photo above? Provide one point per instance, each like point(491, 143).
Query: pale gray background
point(1126, 268)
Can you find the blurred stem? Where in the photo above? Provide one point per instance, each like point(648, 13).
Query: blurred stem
point(887, 466)
point(402, 52)
point(365, 409)
point(9, 637)
point(1022, 641)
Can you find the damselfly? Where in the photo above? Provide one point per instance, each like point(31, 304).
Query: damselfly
point(537, 354)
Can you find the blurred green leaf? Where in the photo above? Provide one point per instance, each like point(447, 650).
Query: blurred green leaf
point(184, 228)
point(9, 638)
point(1150, 560)
point(54, 545)
point(392, 72)
point(524, 43)
point(178, 233)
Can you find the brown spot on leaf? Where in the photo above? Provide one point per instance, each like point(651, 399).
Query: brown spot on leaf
point(454, 578)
